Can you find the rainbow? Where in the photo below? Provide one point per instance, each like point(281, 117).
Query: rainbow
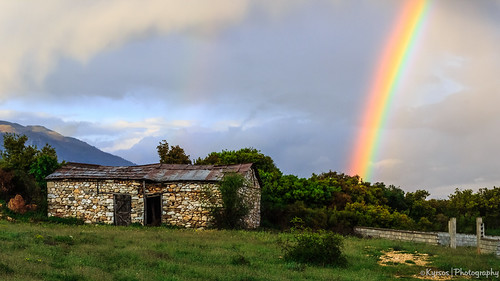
point(389, 71)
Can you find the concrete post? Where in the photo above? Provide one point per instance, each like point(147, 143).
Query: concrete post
point(452, 229)
point(479, 233)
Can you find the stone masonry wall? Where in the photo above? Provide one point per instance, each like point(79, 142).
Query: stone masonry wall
point(404, 235)
point(463, 240)
point(183, 203)
point(490, 244)
point(93, 200)
point(252, 194)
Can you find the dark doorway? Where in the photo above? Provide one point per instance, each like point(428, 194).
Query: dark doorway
point(122, 209)
point(153, 210)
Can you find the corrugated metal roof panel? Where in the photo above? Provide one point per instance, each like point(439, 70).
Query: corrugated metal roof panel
point(153, 172)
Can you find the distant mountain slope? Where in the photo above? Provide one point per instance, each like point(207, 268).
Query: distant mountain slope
point(67, 148)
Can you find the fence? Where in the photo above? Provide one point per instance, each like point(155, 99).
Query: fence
point(484, 244)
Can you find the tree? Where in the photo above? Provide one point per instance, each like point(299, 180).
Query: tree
point(24, 169)
point(418, 207)
point(234, 208)
point(270, 175)
point(6, 183)
point(16, 154)
point(44, 164)
point(172, 155)
point(395, 198)
point(264, 163)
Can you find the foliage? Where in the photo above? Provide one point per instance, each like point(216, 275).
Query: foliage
point(23, 169)
point(466, 205)
point(395, 198)
point(233, 209)
point(44, 163)
point(172, 155)
point(16, 155)
point(336, 201)
point(271, 204)
point(7, 186)
point(318, 248)
point(245, 155)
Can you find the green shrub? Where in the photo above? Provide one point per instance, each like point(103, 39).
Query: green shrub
point(230, 215)
point(318, 248)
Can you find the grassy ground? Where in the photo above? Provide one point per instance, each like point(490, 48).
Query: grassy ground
point(55, 252)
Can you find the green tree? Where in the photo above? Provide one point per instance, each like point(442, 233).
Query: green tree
point(24, 169)
point(44, 163)
point(7, 187)
point(16, 154)
point(263, 162)
point(489, 206)
point(417, 205)
point(271, 204)
point(464, 205)
point(395, 198)
point(172, 155)
point(234, 208)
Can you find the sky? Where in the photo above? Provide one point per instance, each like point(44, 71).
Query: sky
point(287, 77)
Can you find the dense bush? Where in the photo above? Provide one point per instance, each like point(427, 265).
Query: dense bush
point(23, 169)
point(318, 248)
point(230, 215)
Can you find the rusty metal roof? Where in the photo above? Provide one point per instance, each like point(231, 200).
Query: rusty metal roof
point(152, 172)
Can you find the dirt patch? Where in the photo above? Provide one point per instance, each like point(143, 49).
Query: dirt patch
point(394, 257)
point(412, 259)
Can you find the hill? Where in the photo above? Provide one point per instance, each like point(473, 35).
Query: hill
point(67, 148)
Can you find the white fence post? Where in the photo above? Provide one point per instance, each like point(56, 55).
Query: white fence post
point(452, 229)
point(479, 233)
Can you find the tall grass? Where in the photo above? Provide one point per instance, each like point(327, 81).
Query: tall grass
point(96, 252)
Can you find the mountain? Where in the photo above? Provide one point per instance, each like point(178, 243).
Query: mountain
point(67, 148)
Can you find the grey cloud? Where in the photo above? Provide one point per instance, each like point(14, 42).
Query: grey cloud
point(59, 29)
point(295, 146)
point(287, 78)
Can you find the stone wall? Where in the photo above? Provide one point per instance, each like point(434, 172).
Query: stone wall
point(183, 204)
point(92, 200)
point(435, 238)
point(403, 235)
point(252, 195)
point(490, 246)
point(463, 240)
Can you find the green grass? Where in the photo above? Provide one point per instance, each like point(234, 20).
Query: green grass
point(87, 252)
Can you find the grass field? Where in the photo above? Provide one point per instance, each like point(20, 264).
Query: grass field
point(55, 252)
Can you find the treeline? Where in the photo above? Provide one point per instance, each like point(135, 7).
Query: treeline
point(23, 169)
point(330, 200)
point(338, 202)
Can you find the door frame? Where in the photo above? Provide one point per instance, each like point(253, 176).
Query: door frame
point(158, 206)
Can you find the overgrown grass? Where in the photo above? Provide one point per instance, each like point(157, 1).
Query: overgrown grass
point(86, 252)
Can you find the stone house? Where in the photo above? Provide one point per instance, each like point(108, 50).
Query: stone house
point(174, 194)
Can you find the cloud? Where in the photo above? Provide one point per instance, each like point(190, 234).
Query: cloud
point(443, 125)
point(286, 77)
point(37, 35)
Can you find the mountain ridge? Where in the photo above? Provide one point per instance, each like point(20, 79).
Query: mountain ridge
point(68, 149)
